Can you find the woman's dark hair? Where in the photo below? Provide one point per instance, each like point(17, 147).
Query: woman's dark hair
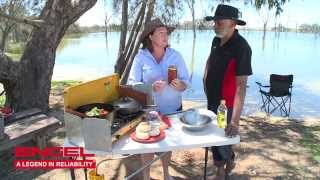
point(146, 43)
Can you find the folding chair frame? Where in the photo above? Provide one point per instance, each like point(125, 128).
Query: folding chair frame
point(276, 102)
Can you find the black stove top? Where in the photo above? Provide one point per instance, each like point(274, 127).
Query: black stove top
point(122, 119)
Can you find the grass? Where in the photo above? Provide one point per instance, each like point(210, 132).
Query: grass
point(54, 85)
point(15, 50)
point(14, 57)
point(63, 84)
point(310, 140)
point(74, 35)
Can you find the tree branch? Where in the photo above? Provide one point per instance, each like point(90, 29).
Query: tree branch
point(35, 23)
point(75, 8)
point(150, 11)
point(121, 61)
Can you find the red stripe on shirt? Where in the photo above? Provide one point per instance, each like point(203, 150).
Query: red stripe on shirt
point(229, 83)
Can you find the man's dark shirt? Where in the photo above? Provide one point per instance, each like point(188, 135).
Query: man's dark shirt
point(223, 65)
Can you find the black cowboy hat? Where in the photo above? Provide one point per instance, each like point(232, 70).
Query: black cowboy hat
point(152, 25)
point(226, 12)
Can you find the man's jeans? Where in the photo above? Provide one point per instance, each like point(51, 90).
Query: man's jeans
point(223, 154)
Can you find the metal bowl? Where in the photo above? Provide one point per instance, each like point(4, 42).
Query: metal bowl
point(193, 120)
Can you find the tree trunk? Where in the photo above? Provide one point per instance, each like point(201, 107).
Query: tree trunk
point(121, 61)
point(134, 42)
point(123, 35)
point(3, 42)
point(191, 6)
point(106, 32)
point(4, 37)
point(192, 58)
point(264, 35)
point(131, 54)
point(31, 86)
point(150, 11)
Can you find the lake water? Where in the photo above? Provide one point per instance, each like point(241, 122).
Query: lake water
point(88, 58)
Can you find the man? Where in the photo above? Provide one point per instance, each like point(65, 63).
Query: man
point(226, 74)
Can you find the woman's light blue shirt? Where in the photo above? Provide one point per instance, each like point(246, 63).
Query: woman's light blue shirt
point(147, 70)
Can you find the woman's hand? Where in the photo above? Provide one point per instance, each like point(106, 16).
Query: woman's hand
point(158, 86)
point(178, 85)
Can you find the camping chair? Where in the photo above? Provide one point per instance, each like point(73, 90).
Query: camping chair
point(280, 91)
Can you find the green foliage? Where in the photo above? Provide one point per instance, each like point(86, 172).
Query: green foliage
point(280, 28)
point(73, 28)
point(170, 11)
point(277, 4)
point(10, 30)
point(313, 28)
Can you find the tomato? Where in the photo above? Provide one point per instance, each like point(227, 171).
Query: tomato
point(104, 113)
point(6, 110)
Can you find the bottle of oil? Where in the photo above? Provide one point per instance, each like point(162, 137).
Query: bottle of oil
point(222, 112)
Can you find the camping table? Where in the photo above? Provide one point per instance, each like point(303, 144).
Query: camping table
point(177, 138)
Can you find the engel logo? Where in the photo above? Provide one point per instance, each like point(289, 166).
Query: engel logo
point(51, 152)
point(62, 157)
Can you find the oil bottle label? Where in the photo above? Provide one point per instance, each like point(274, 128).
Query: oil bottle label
point(221, 118)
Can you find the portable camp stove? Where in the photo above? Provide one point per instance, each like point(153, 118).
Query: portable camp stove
point(121, 120)
point(97, 133)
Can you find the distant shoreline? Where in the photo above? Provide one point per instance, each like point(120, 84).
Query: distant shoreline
point(240, 28)
point(94, 29)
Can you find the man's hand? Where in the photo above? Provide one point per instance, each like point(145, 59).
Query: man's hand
point(178, 85)
point(158, 86)
point(232, 130)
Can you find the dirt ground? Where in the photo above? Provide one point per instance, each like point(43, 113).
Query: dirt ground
point(270, 148)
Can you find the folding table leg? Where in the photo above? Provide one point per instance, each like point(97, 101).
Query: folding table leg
point(85, 170)
point(205, 163)
point(72, 174)
point(145, 166)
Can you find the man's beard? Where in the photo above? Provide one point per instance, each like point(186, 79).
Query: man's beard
point(221, 33)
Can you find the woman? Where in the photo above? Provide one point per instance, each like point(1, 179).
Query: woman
point(150, 66)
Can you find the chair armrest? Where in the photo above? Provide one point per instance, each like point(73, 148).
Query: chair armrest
point(259, 84)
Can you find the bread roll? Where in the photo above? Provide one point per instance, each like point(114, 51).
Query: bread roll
point(142, 135)
point(154, 132)
point(143, 127)
point(163, 125)
point(142, 130)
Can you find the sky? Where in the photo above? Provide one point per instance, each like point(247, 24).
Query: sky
point(295, 13)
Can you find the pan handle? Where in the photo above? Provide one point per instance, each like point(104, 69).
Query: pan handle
point(150, 107)
point(179, 112)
